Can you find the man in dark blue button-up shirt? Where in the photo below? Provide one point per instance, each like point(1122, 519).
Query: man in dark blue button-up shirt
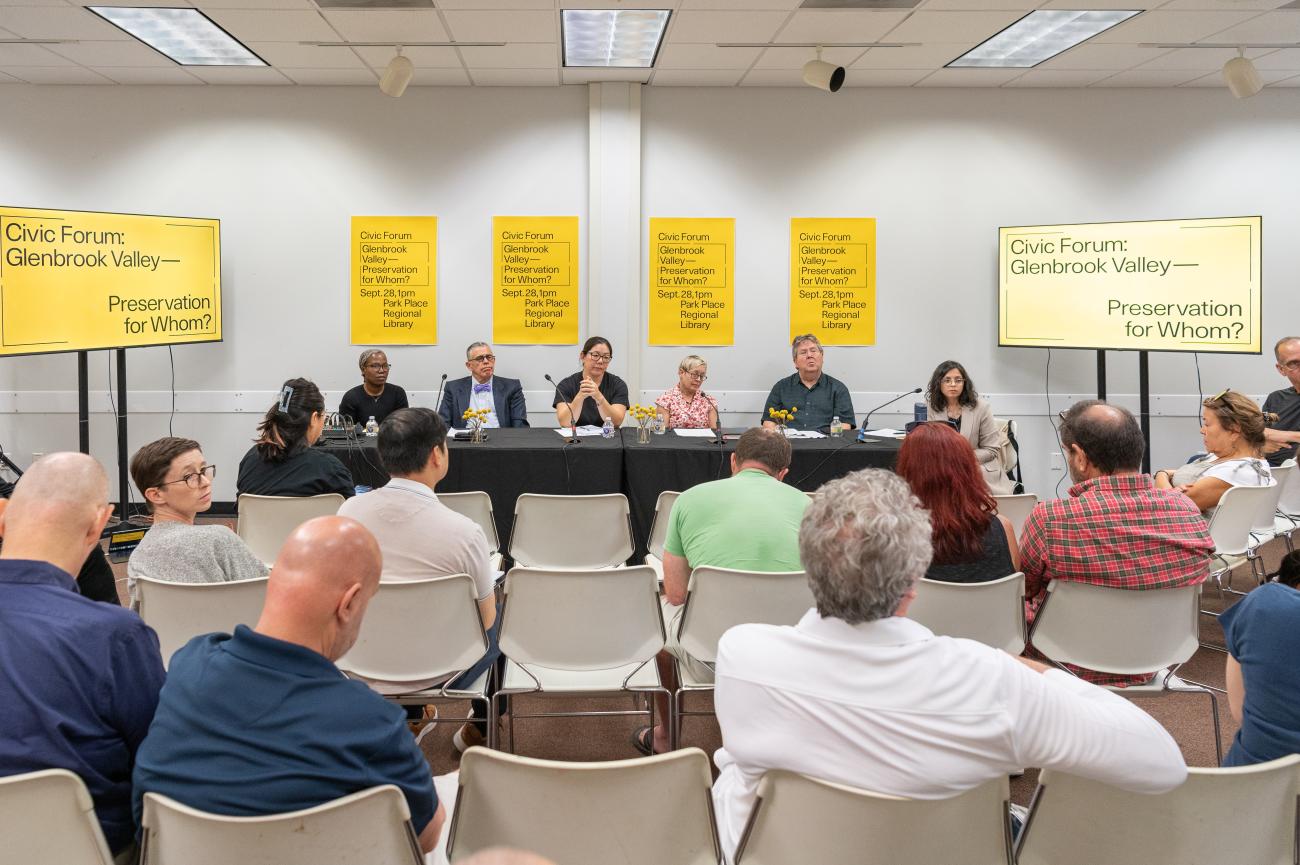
point(79, 680)
point(817, 396)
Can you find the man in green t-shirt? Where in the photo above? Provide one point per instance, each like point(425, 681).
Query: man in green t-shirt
point(748, 522)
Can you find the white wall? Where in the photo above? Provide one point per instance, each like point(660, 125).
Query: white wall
point(284, 169)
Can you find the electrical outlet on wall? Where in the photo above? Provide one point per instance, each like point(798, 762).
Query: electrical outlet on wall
point(1058, 463)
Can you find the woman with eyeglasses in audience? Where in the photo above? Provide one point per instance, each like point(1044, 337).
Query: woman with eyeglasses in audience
point(972, 542)
point(375, 396)
point(1232, 427)
point(951, 397)
point(686, 405)
point(176, 484)
point(282, 461)
point(595, 393)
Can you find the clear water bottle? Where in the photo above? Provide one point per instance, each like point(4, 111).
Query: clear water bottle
point(837, 429)
point(607, 431)
point(372, 428)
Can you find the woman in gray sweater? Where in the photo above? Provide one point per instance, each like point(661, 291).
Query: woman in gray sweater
point(177, 485)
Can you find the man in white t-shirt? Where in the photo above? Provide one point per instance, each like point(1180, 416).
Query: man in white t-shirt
point(419, 536)
point(858, 694)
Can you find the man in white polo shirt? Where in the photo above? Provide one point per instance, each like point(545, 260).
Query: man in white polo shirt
point(858, 694)
point(419, 536)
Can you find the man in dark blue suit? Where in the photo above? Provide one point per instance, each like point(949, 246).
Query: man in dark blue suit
point(481, 389)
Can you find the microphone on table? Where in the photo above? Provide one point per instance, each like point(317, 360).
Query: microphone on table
point(437, 405)
point(573, 418)
point(867, 419)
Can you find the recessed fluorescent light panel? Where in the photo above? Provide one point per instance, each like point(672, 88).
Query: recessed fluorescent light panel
point(612, 37)
point(1040, 36)
point(185, 35)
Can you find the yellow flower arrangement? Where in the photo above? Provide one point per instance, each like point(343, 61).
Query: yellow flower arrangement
point(476, 417)
point(643, 414)
point(782, 416)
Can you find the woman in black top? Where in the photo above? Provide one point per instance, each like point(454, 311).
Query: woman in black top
point(972, 542)
point(375, 397)
point(595, 393)
point(282, 461)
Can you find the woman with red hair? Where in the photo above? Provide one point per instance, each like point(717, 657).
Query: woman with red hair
point(972, 542)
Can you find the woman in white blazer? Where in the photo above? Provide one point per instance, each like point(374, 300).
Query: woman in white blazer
point(952, 397)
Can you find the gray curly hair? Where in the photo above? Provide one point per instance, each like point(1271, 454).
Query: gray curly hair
point(367, 355)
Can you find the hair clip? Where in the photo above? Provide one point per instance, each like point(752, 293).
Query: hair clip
point(286, 394)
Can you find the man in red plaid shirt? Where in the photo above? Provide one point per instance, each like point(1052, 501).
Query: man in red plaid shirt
point(1116, 528)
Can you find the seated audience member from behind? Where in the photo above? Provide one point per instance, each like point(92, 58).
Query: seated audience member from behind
point(375, 396)
point(972, 542)
point(79, 680)
point(282, 461)
point(95, 580)
point(420, 537)
point(748, 522)
point(1115, 528)
point(858, 694)
point(1262, 632)
point(262, 722)
point(176, 483)
point(482, 388)
point(814, 396)
point(1284, 433)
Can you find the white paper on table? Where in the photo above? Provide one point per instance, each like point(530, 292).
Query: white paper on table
point(696, 433)
point(584, 430)
point(885, 433)
point(804, 434)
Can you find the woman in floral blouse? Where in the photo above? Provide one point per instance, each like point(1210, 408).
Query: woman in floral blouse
point(686, 406)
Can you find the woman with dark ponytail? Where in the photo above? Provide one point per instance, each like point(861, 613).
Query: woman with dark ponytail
point(282, 461)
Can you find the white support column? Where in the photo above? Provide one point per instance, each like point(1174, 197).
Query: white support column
point(614, 224)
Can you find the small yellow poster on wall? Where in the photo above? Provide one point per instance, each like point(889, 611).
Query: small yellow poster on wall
point(692, 296)
point(833, 280)
point(394, 280)
point(535, 280)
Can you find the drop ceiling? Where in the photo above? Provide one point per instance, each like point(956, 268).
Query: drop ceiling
point(98, 53)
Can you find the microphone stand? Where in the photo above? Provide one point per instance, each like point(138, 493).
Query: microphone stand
point(573, 418)
point(437, 406)
point(867, 419)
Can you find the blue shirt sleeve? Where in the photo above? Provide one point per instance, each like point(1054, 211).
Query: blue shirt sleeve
point(135, 678)
point(397, 760)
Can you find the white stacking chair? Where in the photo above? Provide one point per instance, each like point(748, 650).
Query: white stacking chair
point(1244, 814)
point(992, 613)
point(49, 817)
point(179, 612)
point(1230, 528)
point(797, 819)
point(1125, 632)
point(1288, 506)
point(649, 811)
point(579, 632)
point(478, 507)
point(266, 521)
point(659, 531)
point(372, 826)
point(587, 532)
point(422, 631)
point(1263, 529)
point(720, 598)
point(1017, 509)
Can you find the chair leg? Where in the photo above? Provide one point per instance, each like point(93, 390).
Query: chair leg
point(510, 710)
point(1218, 736)
point(674, 721)
point(491, 722)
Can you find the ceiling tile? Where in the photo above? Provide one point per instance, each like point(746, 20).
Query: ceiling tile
point(496, 4)
point(31, 55)
point(883, 77)
point(969, 77)
point(725, 26)
point(739, 5)
point(773, 78)
point(929, 5)
point(41, 3)
point(97, 54)
point(616, 4)
point(516, 77)
point(795, 58)
point(1154, 78)
point(930, 56)
point(55, 75)
point(1198, 59)
point(1161, 26)
point(151, 75)
point(1098, 4)
point(173, 4)
point(237, 75)
point(440, 77)
point(263, 25)
point(840, 25)
point(1095, 55)
point(504, 26)
point(696, 56)
point(1288, 82)
point(696, 77)
point(953, 26)
point(254, 4)
point(333, 77)
point(1263, 5)
point(1287, 58)
point(1215, 79)
point(1057, 78)
point(388, 25)
point(292, 55)
point(516, 55)
point(54, 22)
point(423, 58)
point(1280, 26)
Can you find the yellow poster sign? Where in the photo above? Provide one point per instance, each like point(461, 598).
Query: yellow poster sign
point(833, 280)
point(73, 280)
point(1165, 285)
point(394, 280)
point(692, 295)
point(535, 280)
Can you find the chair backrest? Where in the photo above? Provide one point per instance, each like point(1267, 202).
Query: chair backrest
point(1016, 508)
point(418, 630)
point(48, 816)
point(265, 521)
point(372, 826)
point(1242, 814)
point(1234, 518)
point(179, 612)
point(1289, 499)
point(478, 507)
point(1123, 631)
point(581, 620)
point(650, 811)
point(992, 613)
point(1266, 511)
point(720, 598)
point(571, 531)
point(799, 819)
point(659, 525)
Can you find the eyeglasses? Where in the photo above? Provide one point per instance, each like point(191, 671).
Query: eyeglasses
point(379, 366)
point(809, 352)
point(600, 358)
point(954, 381)
point(483, 358)
point(1291, 365)
point(698, 376)
point(192, 479)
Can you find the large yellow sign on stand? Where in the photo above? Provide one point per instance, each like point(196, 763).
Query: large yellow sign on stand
point(72, 280)
point(535, 280)
point(833, 280)
point(394, 280)
point(692, 292)
point(1168, 285)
